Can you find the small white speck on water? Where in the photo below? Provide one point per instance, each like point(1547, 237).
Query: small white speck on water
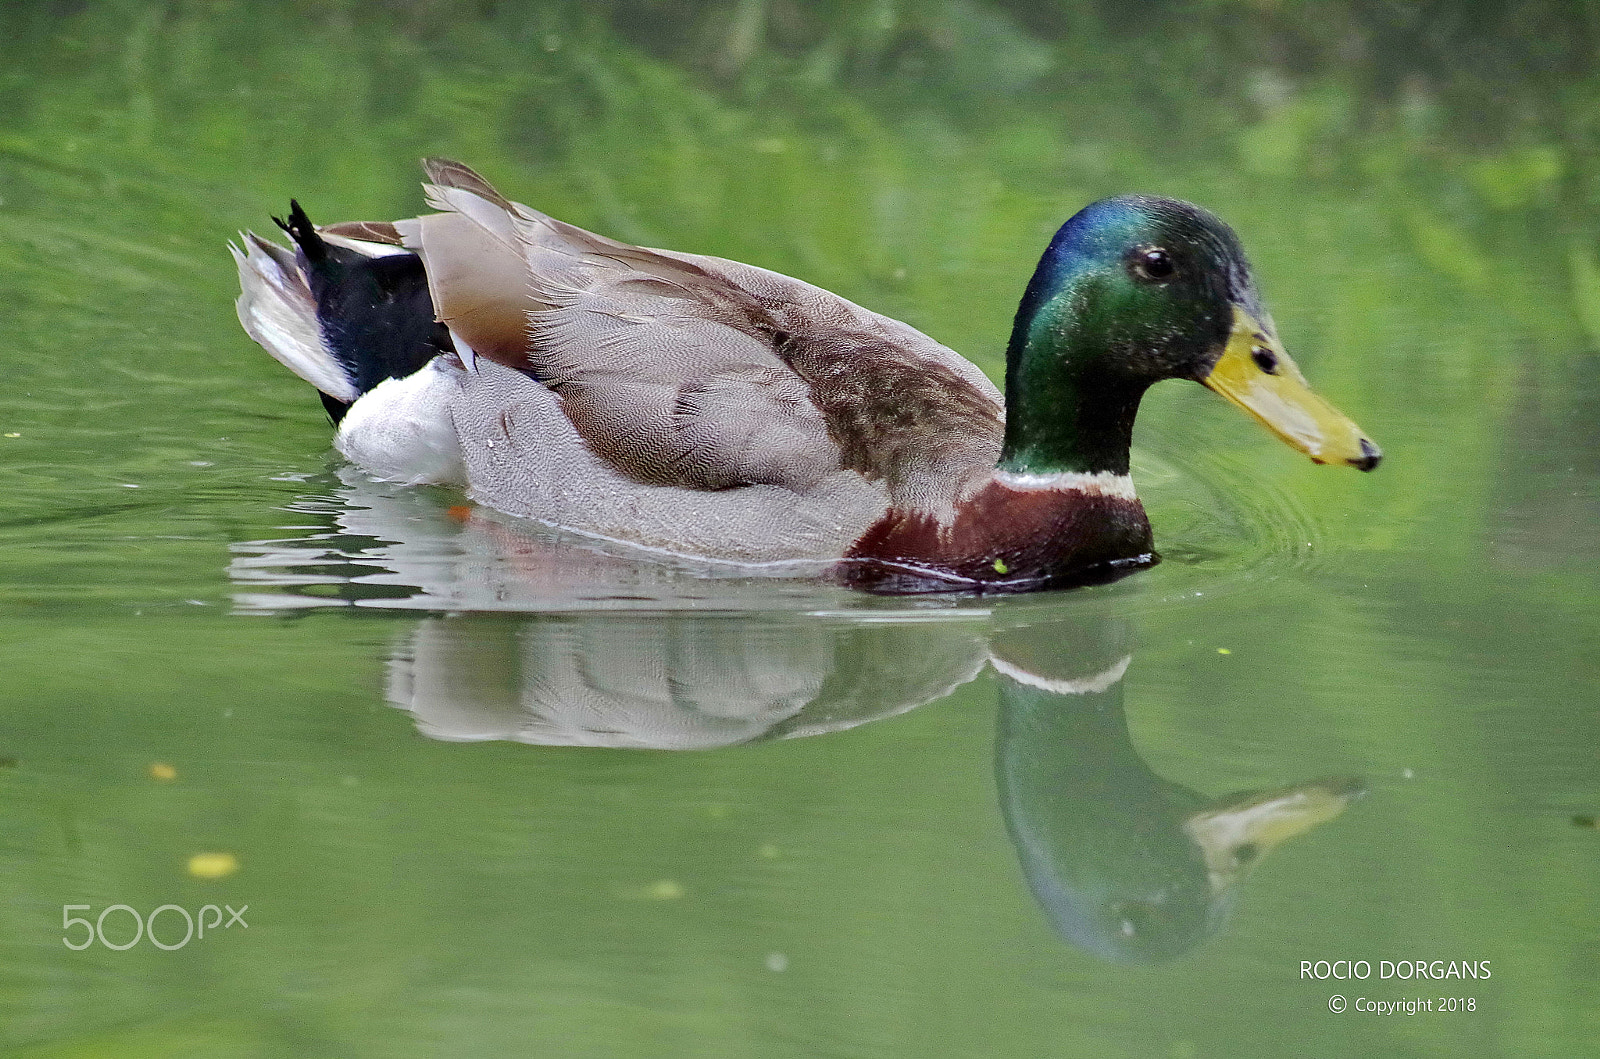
point(128, 485)
point(777, 962)
point(1407, 774)
point(199, 463)
point(227, 713)
point(348, 781)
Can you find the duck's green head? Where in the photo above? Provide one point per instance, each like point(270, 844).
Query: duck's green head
point(1133, 290)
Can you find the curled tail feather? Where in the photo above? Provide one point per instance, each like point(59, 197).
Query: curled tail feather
point(343, 312)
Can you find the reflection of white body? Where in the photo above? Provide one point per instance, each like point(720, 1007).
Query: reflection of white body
point(676, 682)
point(383, 534)
point(553, 647)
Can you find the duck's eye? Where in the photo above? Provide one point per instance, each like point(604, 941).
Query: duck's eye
point(1265, 359)
point(1154, 263)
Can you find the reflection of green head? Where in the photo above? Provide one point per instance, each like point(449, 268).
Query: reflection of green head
point(1099, 835)
point(1125, 864)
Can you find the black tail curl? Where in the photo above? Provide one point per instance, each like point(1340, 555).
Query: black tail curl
point(375, 312)
point(304, 233)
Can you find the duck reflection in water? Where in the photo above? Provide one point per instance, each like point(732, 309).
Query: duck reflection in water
point(1124, 863)
point(674, 681)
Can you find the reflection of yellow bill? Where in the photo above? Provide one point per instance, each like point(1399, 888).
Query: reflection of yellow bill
point(1258, 376)
point(1240, 829)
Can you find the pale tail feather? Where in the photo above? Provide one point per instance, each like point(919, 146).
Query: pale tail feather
point(278, 310)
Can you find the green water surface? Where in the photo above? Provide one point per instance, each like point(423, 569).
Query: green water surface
point(491, 791)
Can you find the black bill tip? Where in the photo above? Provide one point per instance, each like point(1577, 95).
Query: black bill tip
point(1370, 456)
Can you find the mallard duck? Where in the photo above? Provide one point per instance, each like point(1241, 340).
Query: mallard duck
point(709, 408)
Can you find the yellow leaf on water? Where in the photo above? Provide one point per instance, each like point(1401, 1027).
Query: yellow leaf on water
point(213, 865)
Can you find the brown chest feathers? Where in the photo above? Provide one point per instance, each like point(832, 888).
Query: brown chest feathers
point(1004, 539)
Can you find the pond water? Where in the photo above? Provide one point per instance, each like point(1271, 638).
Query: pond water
point(490, 790)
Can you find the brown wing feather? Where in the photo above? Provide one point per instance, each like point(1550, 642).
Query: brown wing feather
point(477, 278)
point(700, 372)
point(449, 173)
point(369, 231)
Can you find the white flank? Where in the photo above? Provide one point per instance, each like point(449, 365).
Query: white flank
point(401, 430)
point(1099, 483)
point(1076, 686)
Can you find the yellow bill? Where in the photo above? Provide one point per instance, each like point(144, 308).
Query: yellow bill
point(1258, 376)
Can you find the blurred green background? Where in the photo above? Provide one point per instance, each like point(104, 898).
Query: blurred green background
point(1418, 186)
